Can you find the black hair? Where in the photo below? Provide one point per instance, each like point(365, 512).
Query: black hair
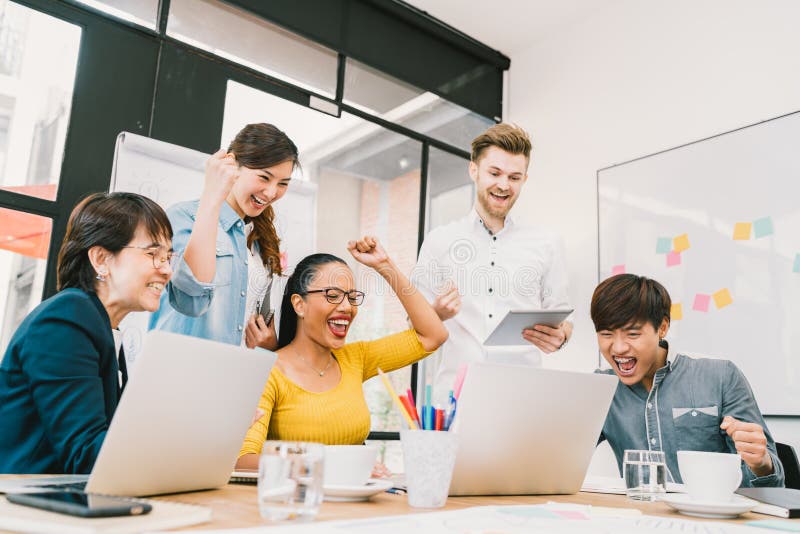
point(298, 284)
point(107, 220)
point(629, 299)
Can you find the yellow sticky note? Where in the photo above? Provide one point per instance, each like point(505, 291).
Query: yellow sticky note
point(676, 312)
point(741, 231)
point(722, 298)
point(680, 243)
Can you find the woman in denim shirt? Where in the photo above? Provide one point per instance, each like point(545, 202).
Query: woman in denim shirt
point(228, 243)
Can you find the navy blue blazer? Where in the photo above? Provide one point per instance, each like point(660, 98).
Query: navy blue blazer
point(59, 386)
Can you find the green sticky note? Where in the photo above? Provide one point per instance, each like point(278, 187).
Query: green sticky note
point(663, 245)
point(763, 227)
point(796, 264)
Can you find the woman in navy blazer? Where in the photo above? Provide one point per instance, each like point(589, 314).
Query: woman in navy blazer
point(60, 378)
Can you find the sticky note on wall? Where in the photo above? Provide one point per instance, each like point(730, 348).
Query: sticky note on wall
point(763, 227)
point(663, 245)
point(741, 231)
point(701, 302)
point(676, 312)
point(796, 264)
point(673, 259)
point(618, 269)
point(680, 243)
point(722, 298)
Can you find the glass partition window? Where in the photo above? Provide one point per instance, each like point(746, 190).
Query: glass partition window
point(380, 94)
point(24, 244)
point(38, 59)
point(142, 12)
point(251, 41)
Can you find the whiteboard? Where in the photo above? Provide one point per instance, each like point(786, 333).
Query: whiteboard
point(744, 184)
point(169, 174)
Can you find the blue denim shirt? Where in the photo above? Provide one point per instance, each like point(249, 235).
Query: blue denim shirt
point(212, 311)
point(683, 411)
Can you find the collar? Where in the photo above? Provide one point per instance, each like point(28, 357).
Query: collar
point(228, 217)
point(476, 219)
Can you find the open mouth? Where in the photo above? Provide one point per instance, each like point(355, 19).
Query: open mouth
point(156, 287)
point(258, 203)
point(625, 366)
point(500, 197)
point(339, 326)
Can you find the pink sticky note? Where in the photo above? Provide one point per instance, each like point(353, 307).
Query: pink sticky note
point(618, 269)
point(673, 259)
point(701, 302)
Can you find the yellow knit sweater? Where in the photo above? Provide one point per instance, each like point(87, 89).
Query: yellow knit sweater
point(340, 415)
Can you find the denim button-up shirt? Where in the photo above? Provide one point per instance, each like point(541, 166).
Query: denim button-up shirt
point(683, 411)
point(215, 310)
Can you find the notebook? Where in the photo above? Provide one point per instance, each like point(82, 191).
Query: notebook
point(781, 502)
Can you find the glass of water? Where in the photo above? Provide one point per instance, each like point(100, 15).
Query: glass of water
point(645, 474)
point(290, 480)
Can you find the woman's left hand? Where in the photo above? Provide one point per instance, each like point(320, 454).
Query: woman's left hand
point(260, 334)
point(368, 251)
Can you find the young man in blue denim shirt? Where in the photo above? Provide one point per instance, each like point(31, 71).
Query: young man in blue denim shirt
point(670, 402)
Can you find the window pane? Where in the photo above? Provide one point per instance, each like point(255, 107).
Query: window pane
point(390, 453)
point(368, 182)
point(38, 58)
point(24, 243)
point(249, 40)
point(402, 103)
point(143, 12)
point(451, 194)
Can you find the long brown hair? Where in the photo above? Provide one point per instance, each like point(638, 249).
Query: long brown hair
point(258, 146)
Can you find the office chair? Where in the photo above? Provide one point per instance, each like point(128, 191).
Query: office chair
point(791, 467)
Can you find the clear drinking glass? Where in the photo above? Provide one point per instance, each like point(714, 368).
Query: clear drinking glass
point(645, 474)
point(290, 480)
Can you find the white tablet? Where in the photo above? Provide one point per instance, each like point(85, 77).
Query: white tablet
point(509, 330)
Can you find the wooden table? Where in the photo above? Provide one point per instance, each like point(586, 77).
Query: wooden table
point(235, 506)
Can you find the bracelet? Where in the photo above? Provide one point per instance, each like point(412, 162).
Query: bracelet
point(566, 338)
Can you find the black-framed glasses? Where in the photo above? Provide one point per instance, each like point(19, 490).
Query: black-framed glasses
point(334, 295)
point(159, 257)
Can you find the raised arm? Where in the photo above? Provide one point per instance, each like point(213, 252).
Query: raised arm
point(200, 254)
point(430, 329)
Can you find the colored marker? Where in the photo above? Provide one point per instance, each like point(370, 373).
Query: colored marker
point(411, 424)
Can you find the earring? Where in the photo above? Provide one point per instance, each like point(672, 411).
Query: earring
point(300, 315)
point(101, 276)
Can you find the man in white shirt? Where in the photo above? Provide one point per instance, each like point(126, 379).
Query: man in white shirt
point(477, 268)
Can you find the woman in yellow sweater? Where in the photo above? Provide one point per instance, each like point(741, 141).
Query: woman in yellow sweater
point(315, 392)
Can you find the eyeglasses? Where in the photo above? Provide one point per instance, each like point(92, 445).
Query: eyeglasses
point(334, 295)
point(159, 258)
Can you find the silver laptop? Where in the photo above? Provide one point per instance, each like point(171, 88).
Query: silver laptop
point(181, 421)
point(527, 431)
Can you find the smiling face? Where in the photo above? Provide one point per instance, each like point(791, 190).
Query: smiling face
point(132, 282)
point(498, 177)
point(633, 351)
point(324, 322)
point(255, 189)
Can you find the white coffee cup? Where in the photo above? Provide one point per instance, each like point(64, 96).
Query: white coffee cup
point(349, 465)
point(710, 476)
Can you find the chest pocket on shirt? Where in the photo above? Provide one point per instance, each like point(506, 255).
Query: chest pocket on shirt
point(698, 429)
point(225, 259)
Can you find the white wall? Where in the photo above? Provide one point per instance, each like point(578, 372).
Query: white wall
point(633, 79)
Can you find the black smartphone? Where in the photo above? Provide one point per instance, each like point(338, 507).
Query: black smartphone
point(80, 503)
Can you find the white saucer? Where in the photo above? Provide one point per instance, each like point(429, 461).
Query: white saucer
point(713, 510)
point(356, 493)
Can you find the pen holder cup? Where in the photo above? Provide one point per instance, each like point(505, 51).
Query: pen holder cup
point(429, 457)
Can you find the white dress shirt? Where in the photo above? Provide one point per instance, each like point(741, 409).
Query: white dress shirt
point(519, 267)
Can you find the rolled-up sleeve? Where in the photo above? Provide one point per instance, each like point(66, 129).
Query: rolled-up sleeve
point(186, 294)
